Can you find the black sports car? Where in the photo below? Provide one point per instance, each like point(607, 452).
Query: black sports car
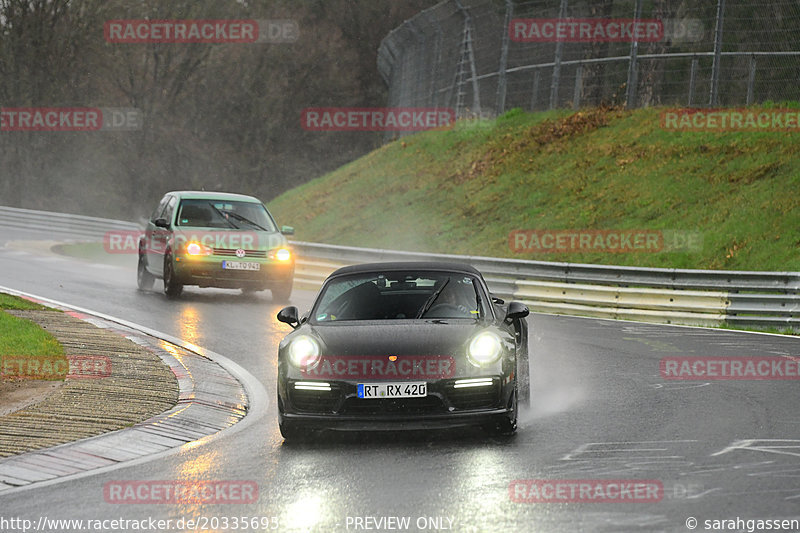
point(403, 346)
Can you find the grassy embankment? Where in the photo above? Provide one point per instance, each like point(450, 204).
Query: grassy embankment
point(19, 337)
point(464, 190)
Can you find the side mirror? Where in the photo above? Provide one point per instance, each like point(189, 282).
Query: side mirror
point(161, 223)
point(289, 315)
point(287, 230)
point(517, 310)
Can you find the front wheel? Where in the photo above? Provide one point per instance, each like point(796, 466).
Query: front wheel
point(144, 279)
point(172, 288)
point(282, 293)
point(292, 432)
point(506, 426)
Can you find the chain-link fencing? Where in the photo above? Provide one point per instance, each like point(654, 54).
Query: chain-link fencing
point(483, 57)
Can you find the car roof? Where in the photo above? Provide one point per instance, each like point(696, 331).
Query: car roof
point(211, 195)
point(438, 266)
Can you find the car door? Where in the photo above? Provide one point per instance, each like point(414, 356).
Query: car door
point(158, 237)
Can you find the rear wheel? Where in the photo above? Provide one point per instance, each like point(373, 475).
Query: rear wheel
point(172, 288)
point(144, 279)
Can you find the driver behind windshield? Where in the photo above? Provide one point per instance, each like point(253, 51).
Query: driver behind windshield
point(457, 300)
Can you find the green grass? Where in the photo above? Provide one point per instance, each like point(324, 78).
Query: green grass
point(96, 253)
point(20, 337)
point(464, 190)
point(764, 329)
point(8, 301)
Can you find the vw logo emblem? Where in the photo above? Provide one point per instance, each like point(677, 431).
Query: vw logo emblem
point(240, 253)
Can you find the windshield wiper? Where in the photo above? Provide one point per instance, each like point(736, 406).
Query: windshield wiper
point(237, 216)
point(222, 214)
point(432, 298)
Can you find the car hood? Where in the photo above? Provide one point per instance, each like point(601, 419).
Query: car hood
point(230, 238)
point(413, 337)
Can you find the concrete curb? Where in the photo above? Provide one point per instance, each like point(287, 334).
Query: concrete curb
point(215, 397)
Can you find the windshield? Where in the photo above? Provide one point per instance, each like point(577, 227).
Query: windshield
point(224, 214)
point(400, 296)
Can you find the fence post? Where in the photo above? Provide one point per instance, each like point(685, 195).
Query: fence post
point(421, 45)
point(535, 96)
point(562, 14)
point(633, 67)
point(713, 98)
point(692, 81)
point(468, 51)
point(751, 80)
point(500, 105)
point(433, 93)
point(576, 98)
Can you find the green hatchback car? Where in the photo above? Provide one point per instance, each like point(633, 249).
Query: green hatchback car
point(211, 239)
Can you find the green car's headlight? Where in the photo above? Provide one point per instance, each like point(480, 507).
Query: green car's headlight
point(281, 254)
point(485, 348)
point(304, 352)
point(194, 248)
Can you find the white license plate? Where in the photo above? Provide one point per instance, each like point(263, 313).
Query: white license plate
point(371, 391)
point(241, 265)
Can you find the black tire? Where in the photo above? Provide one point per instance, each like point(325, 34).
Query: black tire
point(172, 288)
point(144, 279)
point(282, 293)
point(292, 432)
point(523, 364)
point(507, 426)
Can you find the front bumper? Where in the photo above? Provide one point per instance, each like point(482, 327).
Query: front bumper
point(444, 406)
point(208, 272)
point(345, 423)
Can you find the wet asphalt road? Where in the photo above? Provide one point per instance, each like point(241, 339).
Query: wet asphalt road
point(600, 410)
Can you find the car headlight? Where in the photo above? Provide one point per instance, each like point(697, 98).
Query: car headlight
point(195, 248)
point(281, 254)
point(484, 348)
point(304, 352)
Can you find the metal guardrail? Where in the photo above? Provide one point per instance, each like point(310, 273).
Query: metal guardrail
point(662, 295)
point(61, 223)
